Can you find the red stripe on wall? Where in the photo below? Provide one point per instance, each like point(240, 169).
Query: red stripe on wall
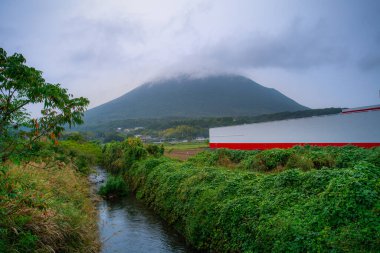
point(250, 146)
point(361, 110)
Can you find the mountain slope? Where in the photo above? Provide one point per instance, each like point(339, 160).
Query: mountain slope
point(215, 96)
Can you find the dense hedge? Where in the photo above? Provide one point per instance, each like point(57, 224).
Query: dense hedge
point(332, 204)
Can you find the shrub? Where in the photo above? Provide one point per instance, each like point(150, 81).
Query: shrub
point(118, 157)
point(115, 186)
point(133, 151)
point(155, 150)
point(300, 161)
point(222, 157)
point(268, 160)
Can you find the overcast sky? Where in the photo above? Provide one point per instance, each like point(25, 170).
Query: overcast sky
point(321, 53)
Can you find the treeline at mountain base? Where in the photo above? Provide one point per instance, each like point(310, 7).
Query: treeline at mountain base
point(45, 203)
point(174, 128)
point(304, 199)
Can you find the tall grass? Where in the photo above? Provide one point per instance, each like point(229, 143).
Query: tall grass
point(46, 210)
point(45, 203)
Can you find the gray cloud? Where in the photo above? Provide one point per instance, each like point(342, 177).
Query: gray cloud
point(370, 62)
point(101, 41)
point(298, 47)
point(114, 46)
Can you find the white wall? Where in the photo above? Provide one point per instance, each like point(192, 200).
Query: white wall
point(340, 128)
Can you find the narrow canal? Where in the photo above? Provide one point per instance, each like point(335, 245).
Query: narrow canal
point(127, 225)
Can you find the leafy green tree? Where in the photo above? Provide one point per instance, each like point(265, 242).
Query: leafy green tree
point(20, 86)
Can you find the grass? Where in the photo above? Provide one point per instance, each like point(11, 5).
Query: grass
point(46, 209)
point(185, 146)
point(183, 151)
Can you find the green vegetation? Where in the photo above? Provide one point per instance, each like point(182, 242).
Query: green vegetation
point(185, 145)
point(292, 211)
point(182, 132)
point(114, 187)
point(84, 155)
point(120, 156)
point(304, 199)
point(20, 86)
point(155, 150)
point(45, 204)
point(44, 192)
point(304, 158)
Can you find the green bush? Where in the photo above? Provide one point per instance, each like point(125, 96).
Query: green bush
point(221, 157)
point(115, 186)
point(300, 161)
point(303, 157)
point(112, 157)
point(309, 210)
point(118, 157)
point(155, 150)
point(320, 198)
point(133, 151)
point(267, 160)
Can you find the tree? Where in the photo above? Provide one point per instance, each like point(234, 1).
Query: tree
point(20, 86)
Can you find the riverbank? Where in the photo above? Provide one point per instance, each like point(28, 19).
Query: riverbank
point(303, 199)
point(46, 207)
point(219, 209)
point(127, 223)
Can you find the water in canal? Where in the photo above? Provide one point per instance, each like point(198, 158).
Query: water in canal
point(127, 225)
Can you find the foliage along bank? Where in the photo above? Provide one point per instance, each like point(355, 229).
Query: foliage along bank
point(117, 157)
point(44, 194)
point(295, 200)
point(44, 200)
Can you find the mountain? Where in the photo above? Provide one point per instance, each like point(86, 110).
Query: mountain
point(214, 96)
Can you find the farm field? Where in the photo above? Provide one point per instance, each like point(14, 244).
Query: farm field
point(183, 154)
point(185, 146)
point(183, 151)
